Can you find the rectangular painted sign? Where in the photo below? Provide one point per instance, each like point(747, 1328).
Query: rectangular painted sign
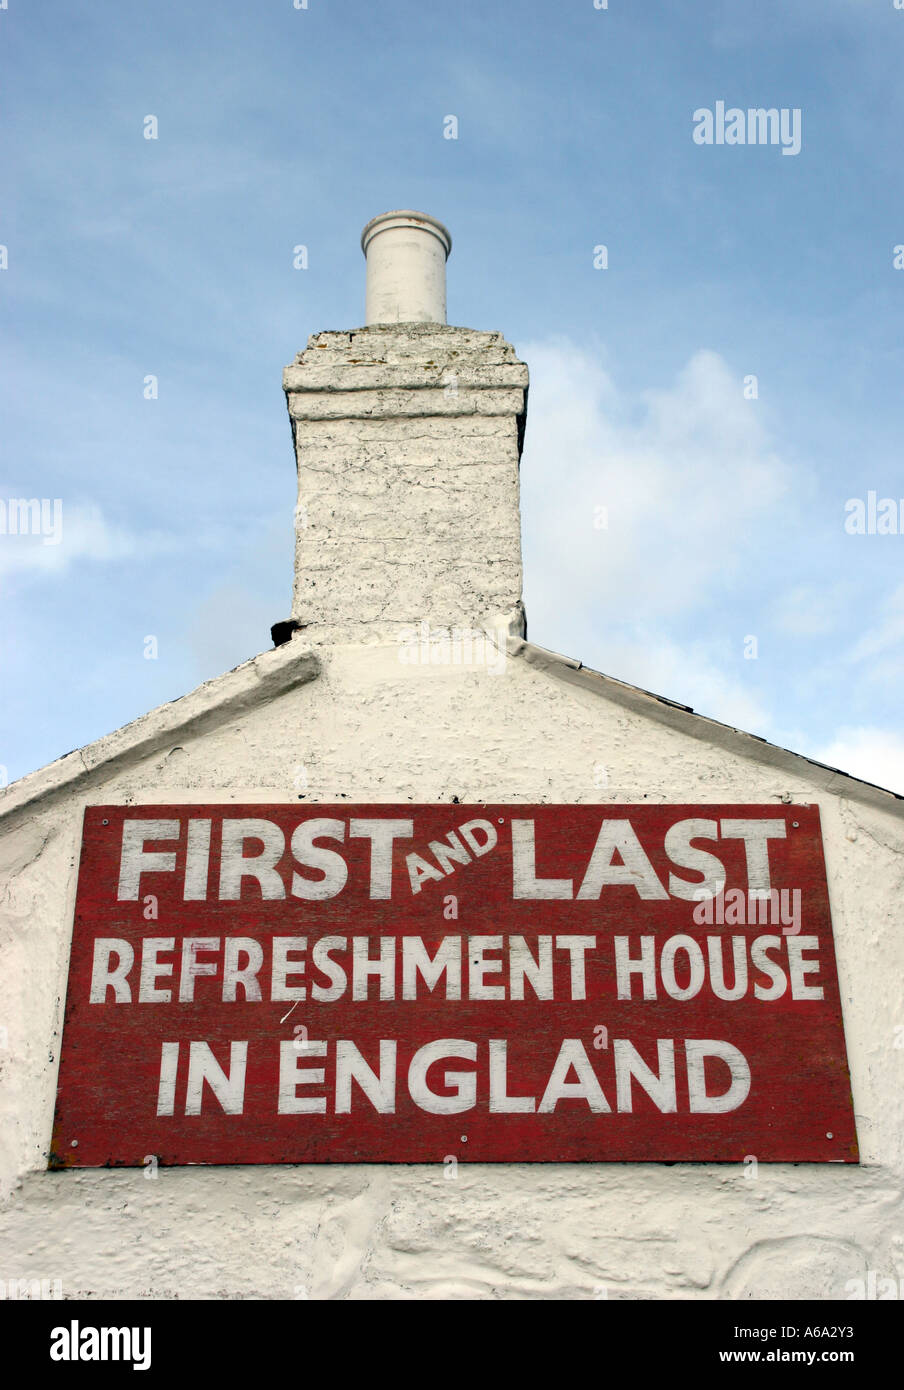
point(417, 984)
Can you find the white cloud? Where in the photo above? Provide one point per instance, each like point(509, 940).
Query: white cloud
point(58, 536)
point(669, 467)
point(876, 755)
point(811, 610)
point(647, 660)
point(887, 634)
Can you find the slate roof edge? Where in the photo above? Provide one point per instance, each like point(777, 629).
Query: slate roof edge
point(700, 726)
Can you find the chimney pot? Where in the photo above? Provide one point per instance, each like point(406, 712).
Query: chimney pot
point(406, 256)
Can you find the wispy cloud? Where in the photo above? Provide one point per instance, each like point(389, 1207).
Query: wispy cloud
point(886, 635)
point(876, 755)
point(80, 533)
point(637, 508)
point(812, 610)
point(83, 534)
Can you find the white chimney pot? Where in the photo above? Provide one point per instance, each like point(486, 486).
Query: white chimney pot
point(406, 268)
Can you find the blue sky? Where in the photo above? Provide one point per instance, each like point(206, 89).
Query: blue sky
point(172, 257)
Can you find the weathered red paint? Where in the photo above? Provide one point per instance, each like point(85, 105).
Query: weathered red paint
point(798, 1108)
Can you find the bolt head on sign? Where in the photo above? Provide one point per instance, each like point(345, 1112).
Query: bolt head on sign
point(621, 983)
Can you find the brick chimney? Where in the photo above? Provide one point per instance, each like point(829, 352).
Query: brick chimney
point(408, 438)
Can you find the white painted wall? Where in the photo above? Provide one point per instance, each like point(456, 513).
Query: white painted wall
point(372, 729)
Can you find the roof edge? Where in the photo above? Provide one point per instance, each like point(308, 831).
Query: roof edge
point(700, 726)
point(275, 672)
point(206, 707)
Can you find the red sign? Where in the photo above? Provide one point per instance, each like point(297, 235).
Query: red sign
point(312, 984)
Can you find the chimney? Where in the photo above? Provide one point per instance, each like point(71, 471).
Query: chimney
point(408, 436)
point(406, 268)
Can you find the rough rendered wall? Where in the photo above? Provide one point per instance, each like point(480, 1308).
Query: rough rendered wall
point(407, 441)
point(370, 729)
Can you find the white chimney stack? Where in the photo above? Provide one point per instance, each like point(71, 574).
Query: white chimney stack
point(406, 268)
point(408, 437)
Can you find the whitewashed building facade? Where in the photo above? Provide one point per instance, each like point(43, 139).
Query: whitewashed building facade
point(405, 675)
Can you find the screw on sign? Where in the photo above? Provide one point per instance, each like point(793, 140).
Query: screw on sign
point(701, 934)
